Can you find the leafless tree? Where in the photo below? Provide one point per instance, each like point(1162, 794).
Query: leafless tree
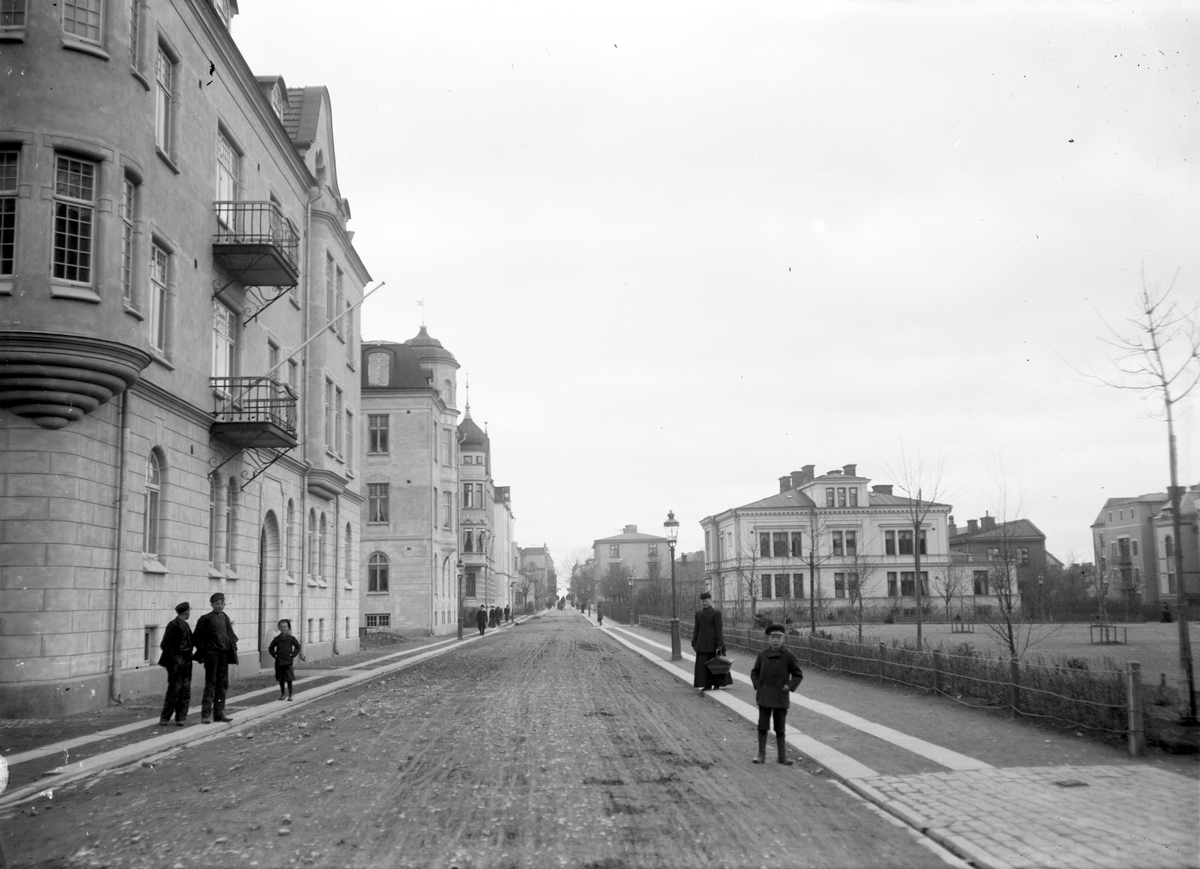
point(861, 566)
point(951, 585)
point(921, 481)
point(1158, 354)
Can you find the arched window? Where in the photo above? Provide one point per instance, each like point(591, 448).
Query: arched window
point(377, 572)
point(231, 505)
point(289, 533)
point(1170, 547)
point(448, 392)
point(323, 550)
point(151, 519)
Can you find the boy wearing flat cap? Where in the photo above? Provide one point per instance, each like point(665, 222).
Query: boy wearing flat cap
point(216, 649)
point(176, 656)
point(775, 675)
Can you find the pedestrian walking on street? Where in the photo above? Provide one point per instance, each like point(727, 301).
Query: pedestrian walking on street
point(775, 675)
point(284, 649)
point(481, 620)
point(216, 649)
point(599, 615)
point(708, 641)
point(176, 656)
point(507, 614)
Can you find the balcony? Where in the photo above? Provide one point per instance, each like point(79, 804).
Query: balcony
point(256, 245)
point(254, 412)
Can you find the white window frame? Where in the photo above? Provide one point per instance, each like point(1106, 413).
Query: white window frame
point(152, 516)
point(160, 279)
point(10, 180)
point(224, 340)
point(75, 194)
point(164, 93)
point(83, 21)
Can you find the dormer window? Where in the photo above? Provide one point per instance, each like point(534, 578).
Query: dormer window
point(277, 101)
point(225, 10)
point(379, 368)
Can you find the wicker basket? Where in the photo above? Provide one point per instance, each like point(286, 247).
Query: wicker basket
point(720, 665)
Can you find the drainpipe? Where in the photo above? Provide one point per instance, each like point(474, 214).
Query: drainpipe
point(114, 690)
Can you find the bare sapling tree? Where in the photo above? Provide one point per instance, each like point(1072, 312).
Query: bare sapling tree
point(921, 482)
point(950, 584)
point(747, 577)
point(860, 569)
point(1158, 354)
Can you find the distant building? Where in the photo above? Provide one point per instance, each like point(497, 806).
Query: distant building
point(1189, 542)
point(1017, 543)
point(1125, 540)
point(537, 582)
point(178, 336)
point(629, 556)
point(832, 536)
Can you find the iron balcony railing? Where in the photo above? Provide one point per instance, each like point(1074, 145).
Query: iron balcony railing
point(244, 224)
point(253, 402)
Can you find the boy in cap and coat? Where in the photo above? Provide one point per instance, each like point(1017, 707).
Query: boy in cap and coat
point(176, 656)
point(775, 675)
point(708, 640)
point(216, 649)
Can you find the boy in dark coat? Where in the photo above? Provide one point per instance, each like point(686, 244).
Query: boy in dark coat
point(284, 649)
point(708, 640)
point(176, 656)
point(775, 675)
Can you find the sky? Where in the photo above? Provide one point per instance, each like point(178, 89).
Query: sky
point(683, 249)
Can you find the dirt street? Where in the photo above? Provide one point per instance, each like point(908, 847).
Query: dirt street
point(547, 744)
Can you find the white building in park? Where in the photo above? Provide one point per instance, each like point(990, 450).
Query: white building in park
point(834, 538)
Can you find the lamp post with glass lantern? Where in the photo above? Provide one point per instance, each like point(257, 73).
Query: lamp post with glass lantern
point(1041, 582)
point(672, 528)
point(630, 600)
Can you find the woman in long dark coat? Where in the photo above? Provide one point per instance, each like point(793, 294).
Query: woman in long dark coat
point(708, 639)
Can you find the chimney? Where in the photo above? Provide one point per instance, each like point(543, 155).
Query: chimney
point(807, 473)
point(972, 526)
point(882, 488)
point(849, 470)
point(785, 483)
point(631, 529)
point(951, 528)
point(988, 522)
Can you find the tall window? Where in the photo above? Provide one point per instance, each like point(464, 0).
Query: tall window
point(313, 553)
point(135, 20)
point(614, 550)
point(349, 441)
point(980, 580)
point(906, 542)
point(779, 544)
point(329, 288)
point(328, 414)
point(231, 508)
point(836, 538)
point(797, 547)
point(377, 428)
point(469, 584)
point(851, 543)
point(854, 497)
point(128, 212)
point(829, 497)
point(289, 537)
point(228, 164)
point(377, 502)
point(766, 586)
point(74, 210)
point(841, 496)
point(447, 455)
point(377, 572)
point(1169, 546)
point(322, 549)
point(339, 303)
point(164, 74)
point(338, 411)
point(83, 19)
point(213, 496)
point(889, 542)
point(158, 297)
point(346, 574)
point(468, 498)
point(468, 538)
point(764, 544)
point(447, 512)
point(8, 209)
point(224, 340)
point(150, 519)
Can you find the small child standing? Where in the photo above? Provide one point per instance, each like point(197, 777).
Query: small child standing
point(284, 649)
point(775, 675)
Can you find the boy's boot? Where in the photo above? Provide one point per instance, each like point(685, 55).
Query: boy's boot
point(762, 748)
point(781, 742)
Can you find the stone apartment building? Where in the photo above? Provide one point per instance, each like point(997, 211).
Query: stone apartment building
point(825, 536)
point(538, 581)
point(629, 556)
point(410, 471)
point(170, 430)
point(989, 545)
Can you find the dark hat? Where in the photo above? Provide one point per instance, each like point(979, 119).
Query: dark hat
point(776, 629)
point(183, 607)
point(216, 597)
point(705, 595)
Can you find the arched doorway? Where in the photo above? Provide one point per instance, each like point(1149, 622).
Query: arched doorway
point(268, 586)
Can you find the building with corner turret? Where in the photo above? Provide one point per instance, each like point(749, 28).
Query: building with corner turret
point(170, 430)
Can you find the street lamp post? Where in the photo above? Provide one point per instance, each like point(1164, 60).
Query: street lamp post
point(512, 599)
point(1041, 580)
point(672, 528)
point(631, 601)
point(460, 597)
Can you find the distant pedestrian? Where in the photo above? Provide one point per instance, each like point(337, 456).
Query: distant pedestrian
point(284, 649)
point(496, 616)
point(481, 620)
point(507, 614)
point(216, 649)
point(599, 615)
point(176, 656)
point(775, 675)
point(708, 641)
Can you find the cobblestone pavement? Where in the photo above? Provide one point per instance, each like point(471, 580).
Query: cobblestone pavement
point(1070, 816)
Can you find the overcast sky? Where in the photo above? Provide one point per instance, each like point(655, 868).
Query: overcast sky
point(682, 249)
